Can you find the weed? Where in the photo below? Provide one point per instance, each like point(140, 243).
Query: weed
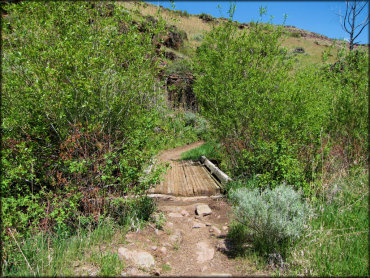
point(166, 267)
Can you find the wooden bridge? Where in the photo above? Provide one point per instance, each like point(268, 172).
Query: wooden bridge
point(186, 178)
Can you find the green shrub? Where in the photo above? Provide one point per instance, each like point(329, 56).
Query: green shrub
point(80, 102)
point(275, 218)
point(294, 34)
point(276, 124)
point(206, 17)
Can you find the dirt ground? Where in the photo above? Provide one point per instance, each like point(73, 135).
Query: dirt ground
point(188, 244)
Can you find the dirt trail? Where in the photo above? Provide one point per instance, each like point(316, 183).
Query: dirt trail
point(187, 244)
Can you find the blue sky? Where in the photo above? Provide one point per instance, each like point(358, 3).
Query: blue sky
point(316, 16)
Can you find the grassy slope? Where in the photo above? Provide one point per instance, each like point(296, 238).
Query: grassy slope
point(196, 27)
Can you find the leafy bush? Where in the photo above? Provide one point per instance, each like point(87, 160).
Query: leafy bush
point(275, 218)
point(338, 241)
point(276, 124)
point(294, 34)
point(80, 102)
point(206, 17)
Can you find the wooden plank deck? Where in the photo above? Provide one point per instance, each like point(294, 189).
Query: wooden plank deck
point(187, 178)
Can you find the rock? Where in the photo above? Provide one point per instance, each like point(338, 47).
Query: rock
point(197, 224)
point(175, 214)
point(299, 50)
point(184, 213)
point(224, 228)
point(169, 225)
point(197, 217)
point(132, 271)
point(218, 216)
point(139, 258)
point(203, 210)
point(176, 237)
point(163, 250)
point(154, 248)
point(156, 231)
point(221, 246)
point(204, 268)
point(156, 272)
point(208, 224)
point(204, 251)
point(220, 274)
point(215, 230)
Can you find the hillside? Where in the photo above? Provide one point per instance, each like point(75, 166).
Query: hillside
point(195, 26)
point(108, 109)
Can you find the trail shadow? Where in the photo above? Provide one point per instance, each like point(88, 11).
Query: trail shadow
point(233, 248)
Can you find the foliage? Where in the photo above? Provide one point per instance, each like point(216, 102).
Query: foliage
point(80, 101)
point(276, 124)
point(209, 149)
point(274, 218)
point(131, 212)
point(51, 255)
point(206, 17)
point(337, 243)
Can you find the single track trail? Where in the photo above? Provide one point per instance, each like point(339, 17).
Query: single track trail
point(192, 240)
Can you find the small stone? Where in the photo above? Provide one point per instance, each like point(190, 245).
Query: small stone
point(203, 210)
point(175, 214)
point(204, 251)
point(197, 217)
point(176, 237)
point(215, 230)
point(156, 231)
point(208, 224)
point(184, 213)
point(218, 216)
point(169, 225)
point(204, 268)
point(197, 224)
point(156, 272)
point(224, 228)
point(163, 250)
point(140, 258)
point(154, 248)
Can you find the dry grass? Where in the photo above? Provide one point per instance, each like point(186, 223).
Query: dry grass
point(192, 25)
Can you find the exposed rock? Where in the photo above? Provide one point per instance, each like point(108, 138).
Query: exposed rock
point(204, 251)
point(215, 230)
point(163, 250)
point(184, 213)
point(299, 50)
point(174, 214)
point(176, 237)
point(139, 258)
point(156, 272)
point(208, 224)
point(225, 228)
point(154, 248)
point(169, 225)
point(203, 210)
point(197, 224)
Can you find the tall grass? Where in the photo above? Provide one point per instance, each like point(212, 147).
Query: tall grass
point(208, 149)
point(50, 255)
point(338, 242)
